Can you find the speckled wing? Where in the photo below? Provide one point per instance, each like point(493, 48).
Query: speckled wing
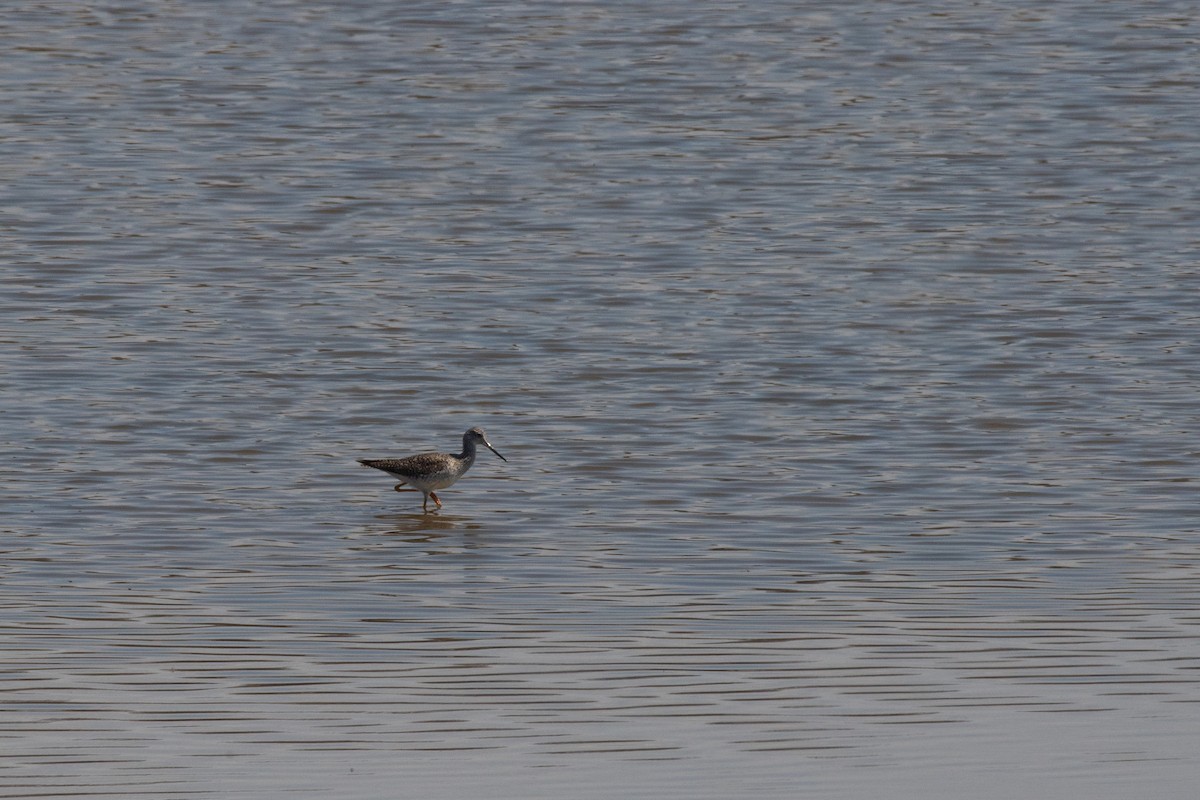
point(408, 468)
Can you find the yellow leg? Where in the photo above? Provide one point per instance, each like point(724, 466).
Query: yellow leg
point(435, 499)
point(400, 488)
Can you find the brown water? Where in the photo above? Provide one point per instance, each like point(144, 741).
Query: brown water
point(844, 358)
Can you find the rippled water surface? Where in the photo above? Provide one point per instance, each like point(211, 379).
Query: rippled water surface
point(844, 359)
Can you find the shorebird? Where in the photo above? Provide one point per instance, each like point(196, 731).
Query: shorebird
point(426, 472)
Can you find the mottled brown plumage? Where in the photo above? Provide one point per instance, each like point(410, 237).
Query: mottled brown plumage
point(426, 472)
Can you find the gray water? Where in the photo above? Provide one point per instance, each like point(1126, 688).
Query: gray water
point(844, 358)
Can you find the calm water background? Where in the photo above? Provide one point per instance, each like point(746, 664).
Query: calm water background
point(845, 358)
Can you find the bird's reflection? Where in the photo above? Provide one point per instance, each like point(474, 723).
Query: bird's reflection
point(422, 527)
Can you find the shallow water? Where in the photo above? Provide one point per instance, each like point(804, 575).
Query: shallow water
point(844, 361)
